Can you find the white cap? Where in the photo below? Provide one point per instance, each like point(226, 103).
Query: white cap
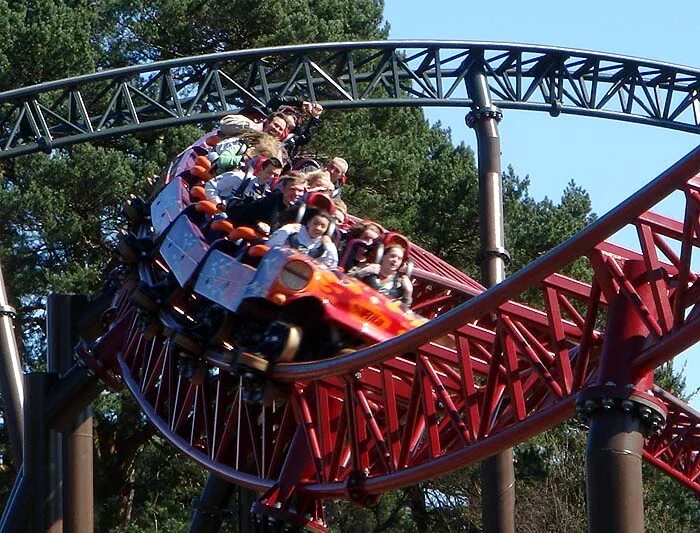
point(231, 125)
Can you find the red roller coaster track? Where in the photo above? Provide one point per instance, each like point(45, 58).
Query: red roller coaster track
point(485, 373)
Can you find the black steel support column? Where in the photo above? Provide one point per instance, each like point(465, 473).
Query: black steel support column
point(497, 474)
point(614, 487)
point(216, 495)
point(620, 410)
point(72, 487)
point(11, 379)
point(36, 449)
point(78, 490)
point(74, 393)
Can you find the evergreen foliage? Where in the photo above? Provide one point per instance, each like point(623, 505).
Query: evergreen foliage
point(59, 216)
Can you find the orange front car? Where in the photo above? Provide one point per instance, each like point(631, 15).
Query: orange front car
point(286, 276)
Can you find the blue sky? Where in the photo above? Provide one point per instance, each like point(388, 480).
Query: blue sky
point(610, 159)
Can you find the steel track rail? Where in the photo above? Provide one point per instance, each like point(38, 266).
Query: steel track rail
point(532, 275)
point(347, 75)
point(479, 377)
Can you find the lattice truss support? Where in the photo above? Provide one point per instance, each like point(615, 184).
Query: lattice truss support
point(484, 374)
point(342, 75)
point(676, 449)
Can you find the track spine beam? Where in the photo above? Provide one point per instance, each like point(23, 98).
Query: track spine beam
point(344, 75)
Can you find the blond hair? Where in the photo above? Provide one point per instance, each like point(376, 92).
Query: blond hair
point(320, 178)
point(293, 176)
point(265, 145)
point(340, 205)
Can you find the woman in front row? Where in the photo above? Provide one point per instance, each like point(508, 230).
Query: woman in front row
point(386, 278)
point(309, 238)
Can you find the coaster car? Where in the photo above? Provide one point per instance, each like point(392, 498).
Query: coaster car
point(288, 307)
point(225, 297)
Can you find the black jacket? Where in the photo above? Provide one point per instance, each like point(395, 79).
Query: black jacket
point(269, 209)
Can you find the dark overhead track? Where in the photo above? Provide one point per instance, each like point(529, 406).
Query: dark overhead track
point(345, 75)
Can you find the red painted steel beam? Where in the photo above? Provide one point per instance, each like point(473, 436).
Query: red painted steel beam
point(676, 449)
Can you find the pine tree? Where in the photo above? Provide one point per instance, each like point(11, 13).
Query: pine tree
point(59, 216)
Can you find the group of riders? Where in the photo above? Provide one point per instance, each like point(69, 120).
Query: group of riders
point(257, 176)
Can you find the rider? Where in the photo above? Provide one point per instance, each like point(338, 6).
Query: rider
point(270, 212)
point(250, 183)
point(309, 238)
point(387, 278)
point(320, 181)
point(337, 168)
point(359, 246)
